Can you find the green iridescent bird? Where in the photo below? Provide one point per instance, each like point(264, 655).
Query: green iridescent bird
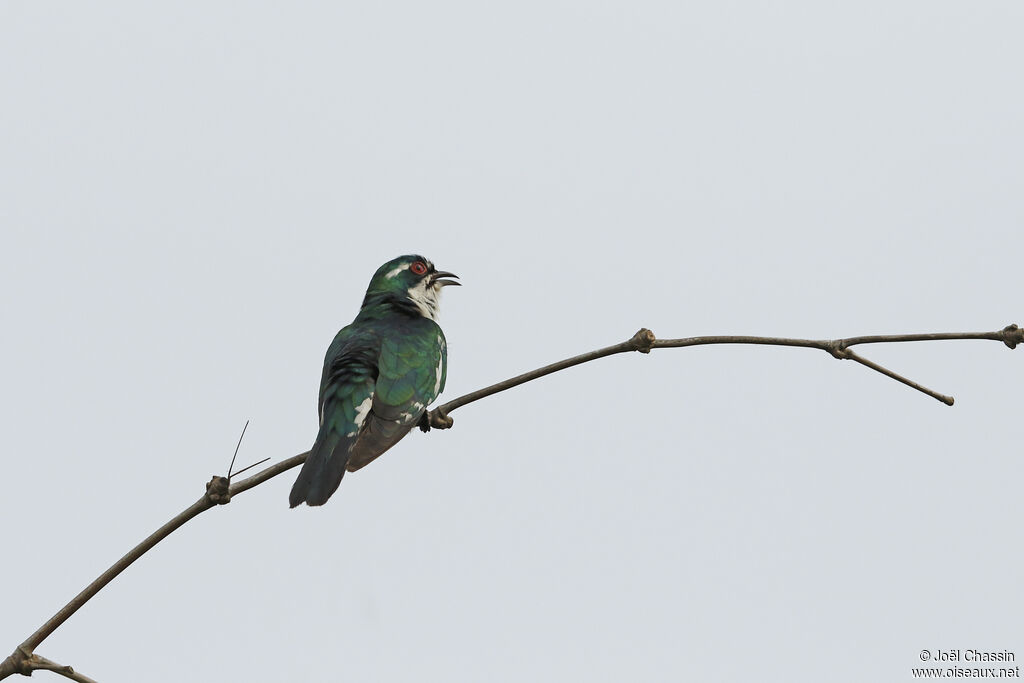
point(380, 374)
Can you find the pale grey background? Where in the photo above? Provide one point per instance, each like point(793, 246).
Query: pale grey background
point(193, 196)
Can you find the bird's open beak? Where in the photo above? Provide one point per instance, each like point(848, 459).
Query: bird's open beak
point(436, 279)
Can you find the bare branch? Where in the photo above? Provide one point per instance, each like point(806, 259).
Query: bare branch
point(220, 490)
point(641, 341)
point(644, 341)
point(33, 641)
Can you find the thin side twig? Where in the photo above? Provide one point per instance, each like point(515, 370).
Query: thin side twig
point(838, 348)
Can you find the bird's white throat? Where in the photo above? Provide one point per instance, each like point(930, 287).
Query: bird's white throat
point(427, 298)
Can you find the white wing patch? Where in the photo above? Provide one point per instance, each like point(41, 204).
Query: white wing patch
point(440, 366)
point(411, 414)
point(362, 410)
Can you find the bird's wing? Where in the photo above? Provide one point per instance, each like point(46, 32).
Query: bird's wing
point(410, 375)
point(346, 396)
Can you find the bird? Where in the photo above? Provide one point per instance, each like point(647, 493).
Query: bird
point(380, 374)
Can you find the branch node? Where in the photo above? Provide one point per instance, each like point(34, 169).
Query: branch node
point(838, 349)
point(217, 490)
point(1013, 335)
point(642, 340)
point(22, 659)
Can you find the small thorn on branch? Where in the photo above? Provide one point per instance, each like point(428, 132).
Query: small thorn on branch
point(249, 467)
point(237, 446)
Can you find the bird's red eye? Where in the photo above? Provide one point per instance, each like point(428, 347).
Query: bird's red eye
point(418, 268)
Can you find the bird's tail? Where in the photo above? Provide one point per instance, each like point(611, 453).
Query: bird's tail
point(322, 472)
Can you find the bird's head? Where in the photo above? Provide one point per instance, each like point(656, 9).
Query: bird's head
point(410, 283)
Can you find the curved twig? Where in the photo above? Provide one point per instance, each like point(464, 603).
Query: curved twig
point(220, 490)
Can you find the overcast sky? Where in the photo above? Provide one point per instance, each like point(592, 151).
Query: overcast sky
point(194, 195)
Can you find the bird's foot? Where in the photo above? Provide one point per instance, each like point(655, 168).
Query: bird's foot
point(436, 418)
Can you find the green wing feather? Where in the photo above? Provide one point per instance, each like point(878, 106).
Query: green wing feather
point(346, 393)
point(407, 382)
